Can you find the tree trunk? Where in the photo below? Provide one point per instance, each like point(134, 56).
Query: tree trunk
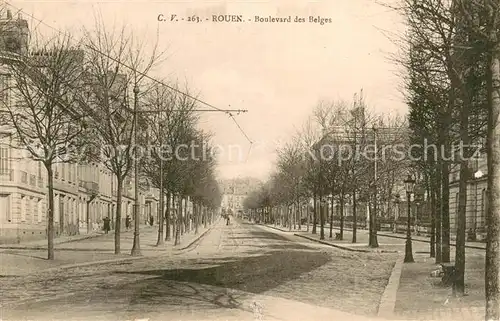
point(331, 217)
point(160, 240)
point(167, 219)
point(299, 213)
point(373, 242)
point(87, 217)
point(294, 208)
point(492, 276)
point(50, 212)
point(432, 193)
point(62, 212)
point(459, 284)
point(354, 216)
point(178, 224)
point(308, 214)
point(321, 218)
point(438, 210)
point(118, 213)
point(205, 215)
point(196, 211)
point(181, 216)
point(315, 214)
point(445, 214)
point(187, 217)
point(445, 122)
point(342, 203)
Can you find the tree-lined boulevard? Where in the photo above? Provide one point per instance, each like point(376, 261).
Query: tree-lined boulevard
point(366, 215)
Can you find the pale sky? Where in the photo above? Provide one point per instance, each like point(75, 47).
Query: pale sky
point(276, 71)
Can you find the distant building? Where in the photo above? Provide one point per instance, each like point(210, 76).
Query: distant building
point(234, 193)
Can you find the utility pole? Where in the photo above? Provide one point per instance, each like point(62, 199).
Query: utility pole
point(160, 240)
point(136, 248)
point(372, 242)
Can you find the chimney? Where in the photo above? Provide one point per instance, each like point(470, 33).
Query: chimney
point(19, 16)
point(9, 14)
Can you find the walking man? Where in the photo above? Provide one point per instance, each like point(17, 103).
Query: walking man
point(107, 227)
point(128, 220)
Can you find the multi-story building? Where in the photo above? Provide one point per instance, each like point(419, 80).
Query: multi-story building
point(232, 200)
point(477, 200)
point(83, 193)
point(234, 193)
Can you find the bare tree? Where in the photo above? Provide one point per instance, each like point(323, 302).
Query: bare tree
point(42, 106)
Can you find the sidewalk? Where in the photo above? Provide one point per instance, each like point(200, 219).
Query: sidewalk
point(362, 237)
point(421, 296)
point(89, 251)
point(386, 245)
point(42, 244)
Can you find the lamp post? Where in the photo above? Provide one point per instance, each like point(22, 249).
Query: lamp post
point(409, 184)
point(396, 213)
point(136, 248)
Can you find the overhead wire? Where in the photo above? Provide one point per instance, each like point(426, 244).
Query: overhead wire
point(142, 73)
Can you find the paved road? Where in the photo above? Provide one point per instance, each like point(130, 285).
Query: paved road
point(236, 272)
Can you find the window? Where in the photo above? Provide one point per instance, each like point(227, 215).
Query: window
point(4, 160)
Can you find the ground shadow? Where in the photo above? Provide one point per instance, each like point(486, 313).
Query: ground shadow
point(255, 274)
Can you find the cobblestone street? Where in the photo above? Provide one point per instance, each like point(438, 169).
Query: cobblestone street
point(238, 271)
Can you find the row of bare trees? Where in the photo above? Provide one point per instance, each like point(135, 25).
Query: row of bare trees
point(340, 156)
point(451, 58)
point(90, 100)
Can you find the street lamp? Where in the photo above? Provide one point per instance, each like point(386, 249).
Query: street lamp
point(409, 185)
point(396, 213)
point(136, 247)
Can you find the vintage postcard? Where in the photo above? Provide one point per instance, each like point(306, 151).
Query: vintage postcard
point(250, 160)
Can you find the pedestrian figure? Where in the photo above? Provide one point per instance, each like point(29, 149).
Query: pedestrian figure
point(127, 222)
point(227, 222)
point(151, 220)
point(107, 227)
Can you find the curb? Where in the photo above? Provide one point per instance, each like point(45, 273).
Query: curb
point(346, 248)
point(44, 247)
point(413, 240)
point(330, 244)
point(428, 241)
point(118, 260)
point(196, 239)
point(387, 302)
point(277, 228)
point(39, 247)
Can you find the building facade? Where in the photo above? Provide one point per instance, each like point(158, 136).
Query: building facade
point(477, 200)
point(84, 194)
point(232, 200)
